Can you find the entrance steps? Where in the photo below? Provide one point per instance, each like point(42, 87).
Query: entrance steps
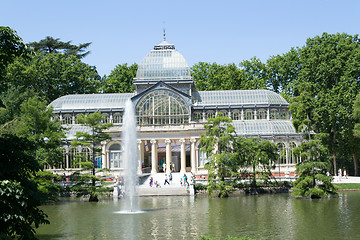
point(172, 189)
point(160, 179)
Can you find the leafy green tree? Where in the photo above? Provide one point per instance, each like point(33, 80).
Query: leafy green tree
point(54, 45)
point(120, 79)
point(312, 181)
point(92, 139)
point(19, 194)
point(33, 121)
point(254, 74)
point(11, 101)
point(208, 76)
point(11, 47)
point(217, 144)
point(356, 130)
point(256, 158)
point(281, 72)
point(53, 75)
point(302, 109)
point(212, 76)
point(330, 69)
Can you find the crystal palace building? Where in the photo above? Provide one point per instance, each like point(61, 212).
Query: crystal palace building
point(170, 116)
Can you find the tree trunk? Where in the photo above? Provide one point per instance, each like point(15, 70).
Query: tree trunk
point(334, 163)
point(355, 165)
point(334, 154)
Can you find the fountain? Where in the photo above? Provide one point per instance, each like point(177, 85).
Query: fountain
point(130, 157)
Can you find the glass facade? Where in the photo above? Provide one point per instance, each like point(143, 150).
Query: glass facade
point(162, 107)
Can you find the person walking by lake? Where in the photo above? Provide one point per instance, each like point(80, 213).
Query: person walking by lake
point(185, 179)
point(164, 167)
point(166, 180)
point(345, 173)
point(151, 182)
point(339, 174)
point(170, 177)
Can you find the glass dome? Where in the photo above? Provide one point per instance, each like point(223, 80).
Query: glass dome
point(163, 63)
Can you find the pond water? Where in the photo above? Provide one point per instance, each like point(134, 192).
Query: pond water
point(276, 216)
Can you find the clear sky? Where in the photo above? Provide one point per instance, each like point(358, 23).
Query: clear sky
point(226, 31)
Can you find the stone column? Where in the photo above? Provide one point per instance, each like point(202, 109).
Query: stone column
point(67, 158)
point(192, 155)
point(154, 156)
point(168, 155)
point(183, 156)
point(287, 154)
point(141, 156)
point(268, 114)
point(107, 159)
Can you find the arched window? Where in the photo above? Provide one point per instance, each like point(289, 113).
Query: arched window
point(210, 114)
point(292, 157)
point(67, 119)
point(117, 118)
point(106, 117)
point(236, 115)
point(224, 113)
point(249, 114)
point(274, 114)
point(282, 153)
point(261, 114)
point(198, 116)
point(115, 152)
point(162, 107)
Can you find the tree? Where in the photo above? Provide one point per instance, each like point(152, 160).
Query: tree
point(281, 72)
point(53, 75)
point(19, 194)
point(33, 122)
point(254, 71)
point(356, 130)
point(11, 47)
point(256, 158)
point(212, 76)
point(92, 139)
point(330, 71)
point(54, 45)
point(120, 79)
point(217, 144)
point(312, 181)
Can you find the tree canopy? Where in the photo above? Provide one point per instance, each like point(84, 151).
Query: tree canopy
point(54, 45)
point(120, 79)
point(53, 75)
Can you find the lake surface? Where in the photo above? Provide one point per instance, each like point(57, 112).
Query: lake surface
point(276, 216)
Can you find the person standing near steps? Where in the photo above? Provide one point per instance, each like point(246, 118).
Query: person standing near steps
point(166, 180)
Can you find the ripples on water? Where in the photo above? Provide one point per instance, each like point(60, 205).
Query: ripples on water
point(260, 217)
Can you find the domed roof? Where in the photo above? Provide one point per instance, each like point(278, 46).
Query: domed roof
point(163, 63)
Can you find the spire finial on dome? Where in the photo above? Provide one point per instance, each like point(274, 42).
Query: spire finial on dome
point(164, 35)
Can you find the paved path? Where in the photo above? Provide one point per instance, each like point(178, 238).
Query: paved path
point(346, 180)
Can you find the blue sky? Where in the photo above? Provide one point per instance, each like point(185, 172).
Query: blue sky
point(208, 31)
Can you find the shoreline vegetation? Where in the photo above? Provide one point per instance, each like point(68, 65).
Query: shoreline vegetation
point(347, 186)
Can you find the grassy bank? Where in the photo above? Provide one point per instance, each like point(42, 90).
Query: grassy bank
point(347, 186)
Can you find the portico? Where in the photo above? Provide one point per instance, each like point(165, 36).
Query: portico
point(176, 154)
